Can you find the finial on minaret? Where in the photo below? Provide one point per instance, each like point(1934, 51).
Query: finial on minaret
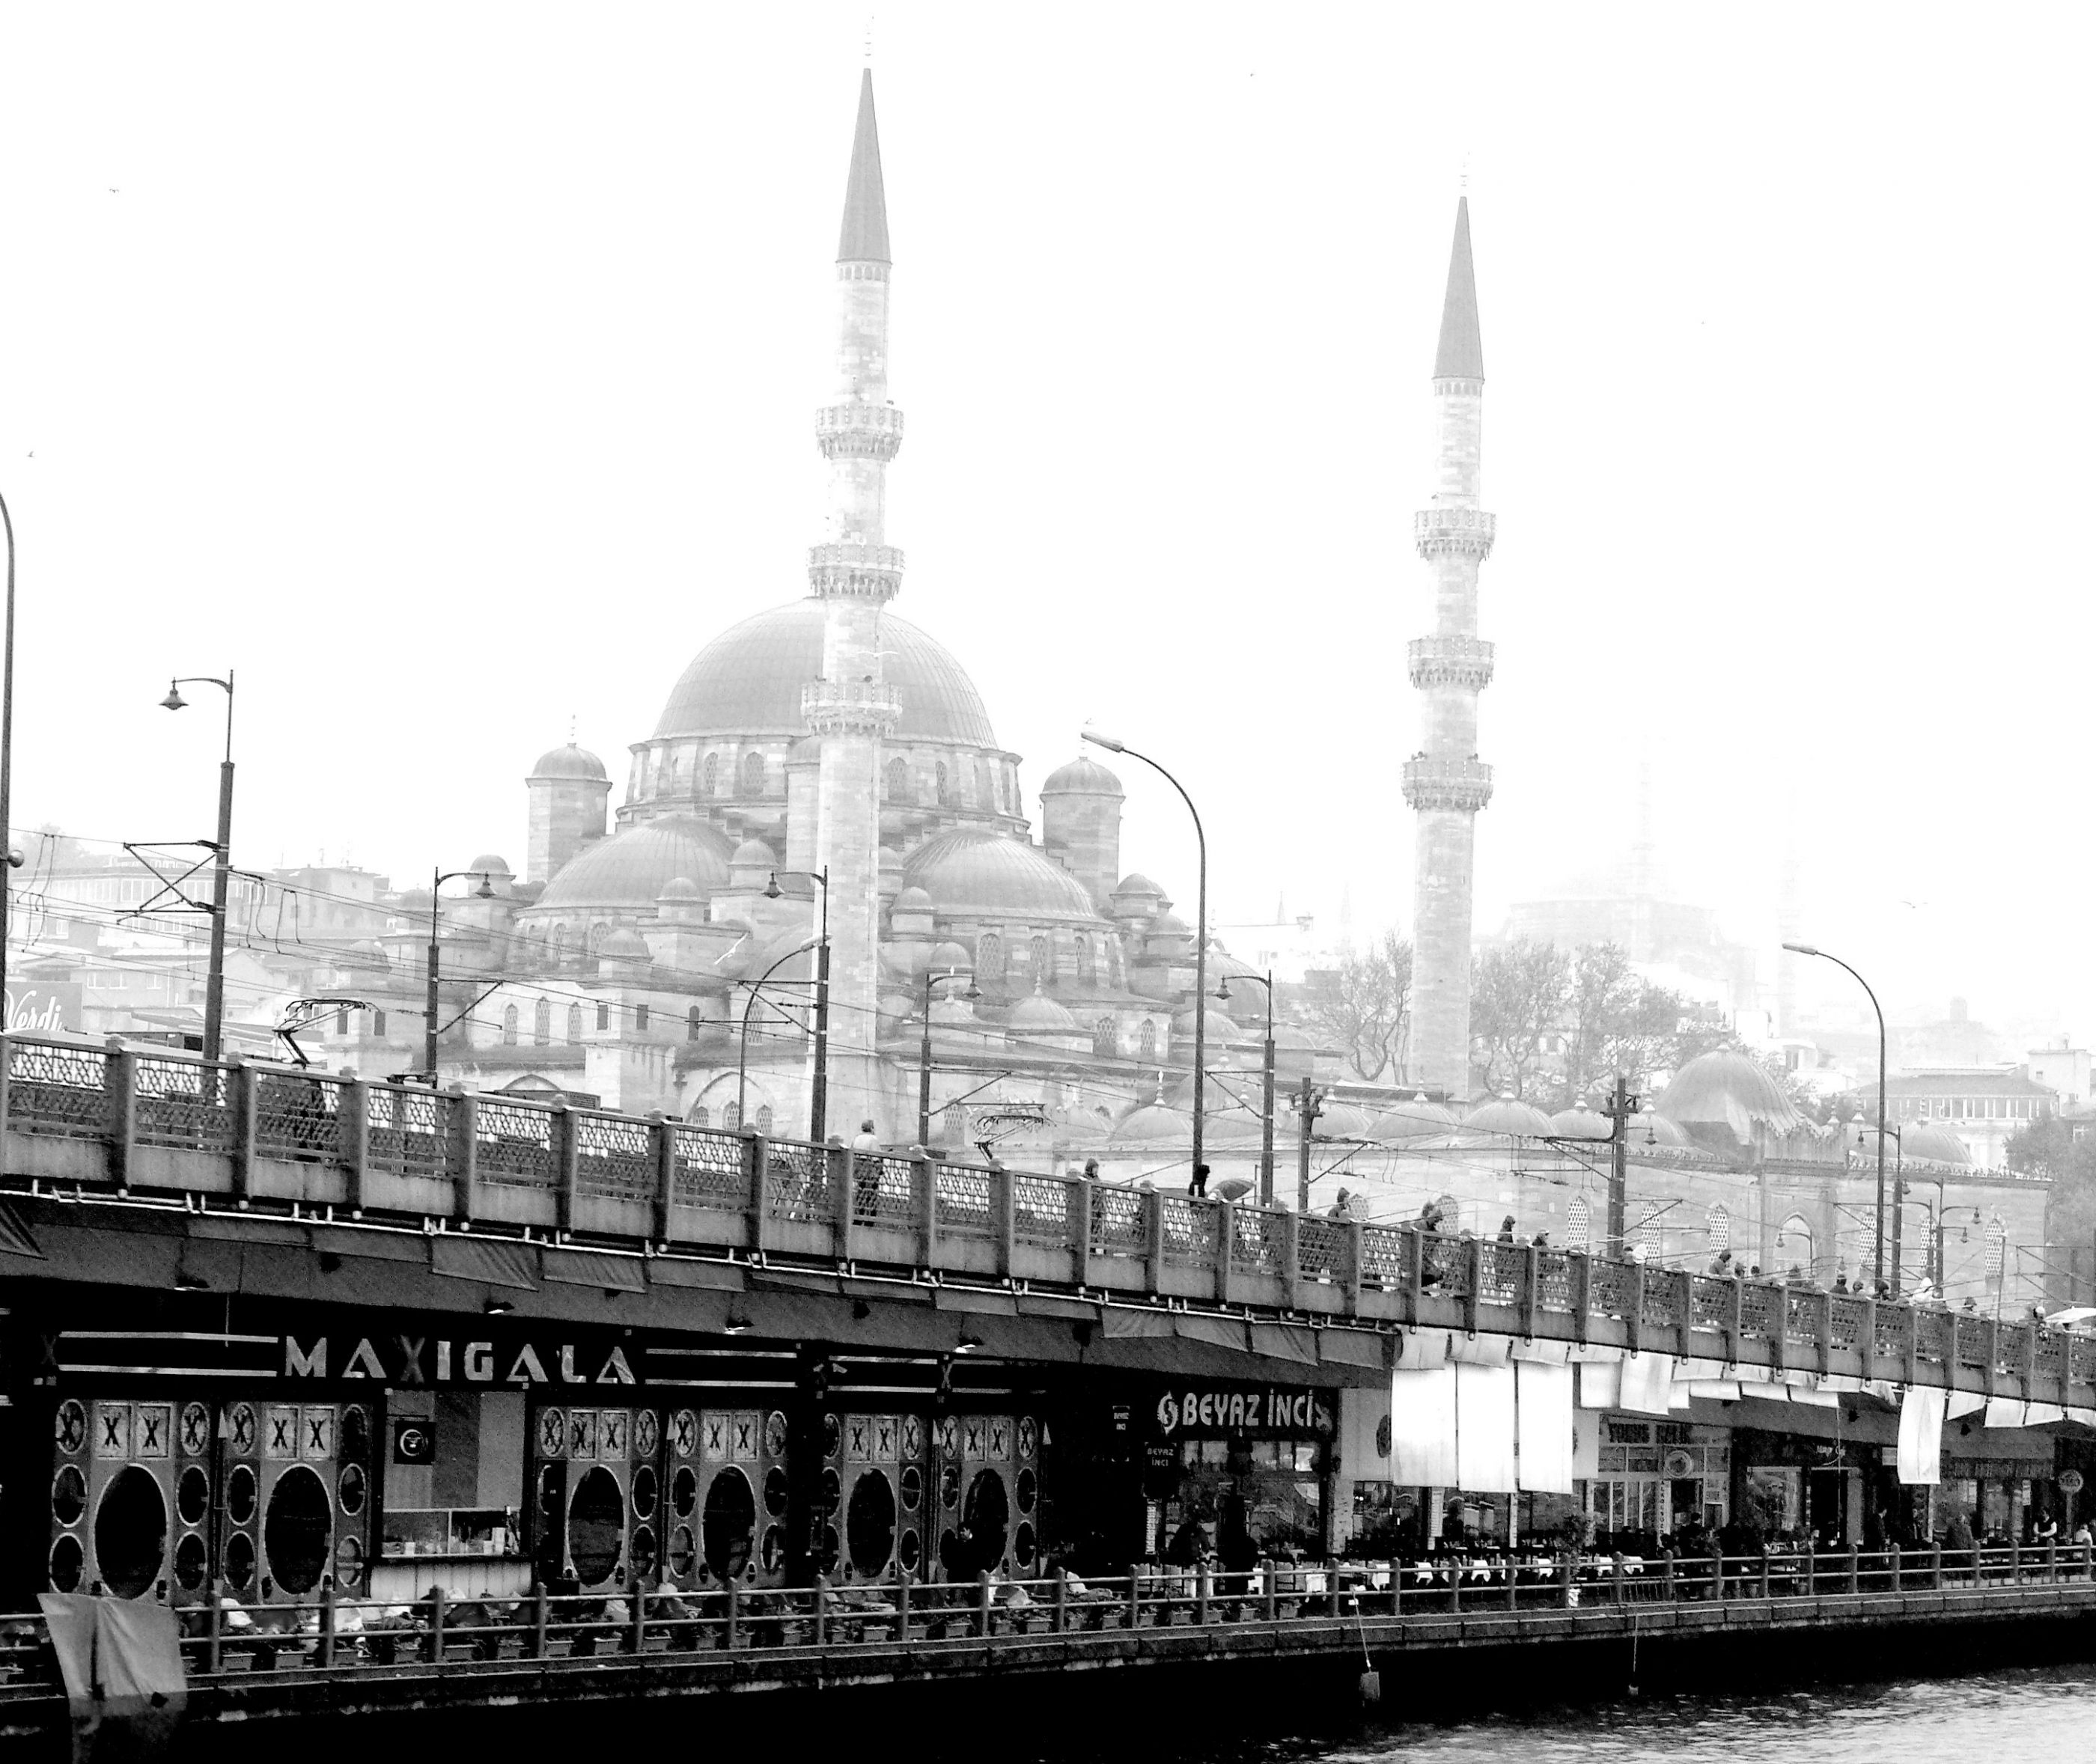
point(1461, 356)
point(869, 39)
point(864, 237)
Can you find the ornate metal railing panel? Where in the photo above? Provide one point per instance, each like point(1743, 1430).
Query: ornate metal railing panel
point(1119, 1227)
point(1255, 1240)
point(884, 1192)
point(614, 1157)
point(513, 1145)
point(1553, 1280)
point(796, 1184)
point(964, 1201)
point(410, 1130)
point(1665, 1302)
point(1189, 1233)
point(1761, 1313)
point(56, 1088)
point(1384, 1259)
point(1971, 1339)
point(1932, 1336)
point(1845, 1322)
point(1500, 1268)
point(1609, 1292)
point(1443, 1266)
point(1709, 1302)
point(297, 1116)
point(1320, 1249)
point(712, 1170)
point(182, 1103)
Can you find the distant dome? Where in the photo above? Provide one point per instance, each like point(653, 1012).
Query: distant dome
point(1417, 1119)
point(972, 872)
point(1082, 776)
point(1038, 1014)
point(912, 900)
point(488, 864)
point(1581, 1124)
point(681, 890)
point(1729, 1089)
point(1937, 1144)
point(625, 945)
point(1506, 1115)
point(1217, 1027)
point(748, 681)
point(628, 872)
point(753, 854)
point(1660, 1131)
point(1135, 882)
point(1151, 1124)
point(1343, 1120)
point(1170, 924)
point(571, 761)
point(950, 957)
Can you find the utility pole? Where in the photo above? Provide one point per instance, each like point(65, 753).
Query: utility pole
point(1619, 1109)
point(1309, 1105)
point(214, 993)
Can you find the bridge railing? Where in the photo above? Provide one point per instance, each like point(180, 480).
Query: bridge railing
point(221, 1640)
point(114, 1119)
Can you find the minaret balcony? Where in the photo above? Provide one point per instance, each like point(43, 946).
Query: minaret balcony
point(855, 571)
point(851, 707)
point(1432, 782)
point(1450, 661)
point(1451, 532)
point(857, 431)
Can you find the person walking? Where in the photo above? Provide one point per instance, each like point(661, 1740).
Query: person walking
point(1198, 1187)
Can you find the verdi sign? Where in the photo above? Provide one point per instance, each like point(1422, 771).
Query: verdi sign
point(42, 1007)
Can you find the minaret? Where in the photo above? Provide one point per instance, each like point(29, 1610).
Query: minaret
point(1444, 783)
point(854, 572)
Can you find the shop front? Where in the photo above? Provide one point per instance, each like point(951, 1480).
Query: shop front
point(1244, 1470)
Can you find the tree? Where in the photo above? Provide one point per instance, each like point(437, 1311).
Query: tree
point(1365, 1005)
point(1519, 994)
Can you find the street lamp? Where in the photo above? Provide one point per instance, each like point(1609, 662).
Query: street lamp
point(1899, 1190)
point(1878, 1249)
point(819, 1083)
point(742, 1056)
point(1266, 1119)
point(485, 892)
point(214, 994)
point(933, 978)
point(1201, 938)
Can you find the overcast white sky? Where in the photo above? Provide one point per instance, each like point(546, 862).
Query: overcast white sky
point(448, 372)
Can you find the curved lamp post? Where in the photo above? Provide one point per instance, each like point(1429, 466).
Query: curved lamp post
point(818, 1082)
point(1878, 1249)
point(438, 879)
point(214, 993)
point(1266, 1119)
point(742, 1054)
point(6, 761)
point(1201, 936)
point(933, 978)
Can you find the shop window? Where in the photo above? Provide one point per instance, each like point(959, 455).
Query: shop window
point(130, 1532)
point(596, 1526)
point(542, 1023)
point(297, 1530)
point(728, 1526)
point(870, 1524)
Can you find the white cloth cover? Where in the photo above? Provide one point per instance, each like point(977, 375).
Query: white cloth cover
point(1964, 1402)
point(1424, 1351)
point(2038, 1414)
point(1716, 1390)
point(1647, 1382)
point(1600, 1384)
point(1479, 1351)
point(1542, 1353)
point(1484, 1430)
point(2004, 1412)
point(1422, 1427)
point(1921, 1435)
point(1542, 1417)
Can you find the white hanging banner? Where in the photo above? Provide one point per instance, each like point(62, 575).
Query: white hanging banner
point(1921, 1435)
point(1543, 1419)
point(1484, 1430)
point(1422, 1427)
point(1647, 1383)
point(1600, 1384)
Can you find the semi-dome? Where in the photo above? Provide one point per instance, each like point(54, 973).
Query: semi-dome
point(1729, 1089)
point(970, 872)
point(489, 863)
point(1418, 1118)
point(1343, 1120)
point(1507, 1116)
point(748, 681)
point(1580, 1124)
point(1084, 776)
point(571, 761)
point(628, 872)
point(1038, 1014)
point(950, 957)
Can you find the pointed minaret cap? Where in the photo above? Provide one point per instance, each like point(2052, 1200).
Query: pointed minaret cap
point(864, 239)
point(1461, 356)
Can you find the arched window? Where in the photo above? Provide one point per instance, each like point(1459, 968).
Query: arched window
point(542, 1023)
point(752, 775)
point(574, 1024)
point(939, 783)
point(764, 1119)
point(898, 778)
point(732, 1116)
point(1649, 1230)
point(1145, 1042)
point(701, 1115)
point(1997, 1247)
point(1794, 1245)
point(509, 1025)
point(989, 957)
point(710, 775)
point(1104, 1039)
point(692, 1020)
point(1044, 962)
point(1083, 953)
point(1578, 1224)
point(1717, 1229)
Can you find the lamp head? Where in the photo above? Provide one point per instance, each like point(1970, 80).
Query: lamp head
point(1801, 948)
point(771, 889)
point(486, 891)
point(174, 700)
point(1098, 738)
point(1223, 991)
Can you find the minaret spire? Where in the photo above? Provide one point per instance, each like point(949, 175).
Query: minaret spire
point(1445, 782)
point(864, 237)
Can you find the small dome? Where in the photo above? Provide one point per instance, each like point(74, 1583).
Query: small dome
point(1038, 1014)
point(1581, 1124)
point(681, 890)
point(1937, 1144)
point(1729, 1089)
point(1418, 1118)
point(571, 761)
point(970, 871)
point(625, 945)
point(1342, 1120)
point(912, 900)
point(488, 864)
point(1135, 882)
point(1217, 1027)
point(1084, 776)
point(950, 958)
point(632, 867)
point(1506, 1115)
point(1151, 1124)
point(753, 854)
point(1170, 924)
point(1662, 1132)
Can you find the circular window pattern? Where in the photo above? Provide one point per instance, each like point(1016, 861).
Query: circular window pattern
point(240, 1428)
point(910, 1551)
point(869, 1523)
point(350, 1489)
point(1029, 1436)
point(240, 1494)
point(987, 1519)
point(348, 1562)
point(130, 1532)
point(831, 1495)
point(643, 1551)
point(684, 1433)
point(67, 1559)
point(356, 1438)
point(69, 1495)
point(549, 1496)
point(1022, 1546)
point(71, 1425)
point(239, 1561)
point(647, 1433)
point(297, 1531)
point(552, 1434)
point(728, 1526)
point(645, 1492)
point(774, 1553)
point(596, 1526)
point(684, 1493)
point(683, 1553)
point(775, 1492)
point(775, 1434)
point(1029, 1489)
point(913, 1487)
point(193, 1496)
point(913, 1437)
point(950, 1486)
point(196, 1430)
point(192, 1561)
point(833, 1436)
point(826, 1550)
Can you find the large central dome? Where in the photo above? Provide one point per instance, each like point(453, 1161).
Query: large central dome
point(748, 681)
